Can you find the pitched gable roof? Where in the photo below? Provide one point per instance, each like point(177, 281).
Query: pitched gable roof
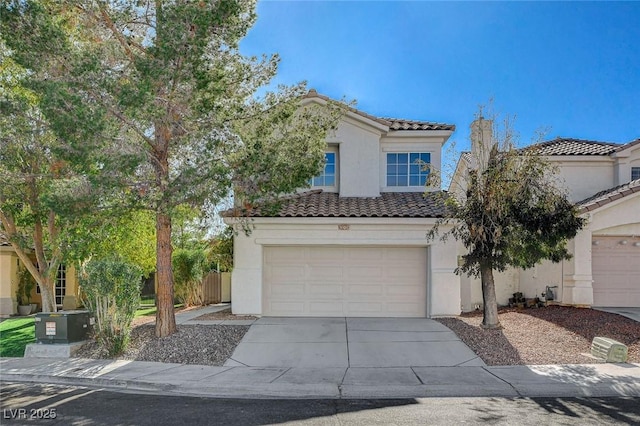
point(392, 123)
point(609, 195)
point(317, 203)
point(628, 145)
point(399, 124)
point(570, 146)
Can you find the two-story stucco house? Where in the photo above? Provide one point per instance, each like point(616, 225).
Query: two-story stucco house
point(355, 243)
point(603, 180)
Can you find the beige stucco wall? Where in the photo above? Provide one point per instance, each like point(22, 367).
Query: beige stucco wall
point(358, 155)
point(9, 285)
point(246, 292)
point(625, 160)
point(8, 281)
point(584, 176)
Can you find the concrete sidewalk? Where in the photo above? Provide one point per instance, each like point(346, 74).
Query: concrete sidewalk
point(597, 380)
point(363, 358)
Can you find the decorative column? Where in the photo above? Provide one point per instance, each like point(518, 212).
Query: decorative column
point(578, 280)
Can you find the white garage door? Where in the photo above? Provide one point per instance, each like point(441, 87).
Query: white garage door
point(616, 271)
point(345, 281)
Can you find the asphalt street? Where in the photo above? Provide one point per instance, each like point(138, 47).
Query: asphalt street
point(34, 404)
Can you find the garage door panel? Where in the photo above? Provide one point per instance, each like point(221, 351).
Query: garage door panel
point(287, 289)
point(399, 273)
point(286, 255)
point(404, 290)
point(321, 273)
point(289, 308)
point(616, 271)
point(345, 281)
point(399, 309)
point(334, 308)
point(325, 256)
point(366, 255)
point(326, 290)
point(366, 290)
point(286, 273)
point(365, 308)
point(363, 272)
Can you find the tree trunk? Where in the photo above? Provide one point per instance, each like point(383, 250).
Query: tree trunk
point(165, 316)
point(47, 293)
point(490, 311)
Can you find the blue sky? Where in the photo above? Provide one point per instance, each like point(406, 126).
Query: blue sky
point(571, 67)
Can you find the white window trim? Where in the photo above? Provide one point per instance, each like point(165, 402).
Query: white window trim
point(336, 187)
point(408, 188)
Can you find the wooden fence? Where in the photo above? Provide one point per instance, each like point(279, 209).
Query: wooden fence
point(216, 288)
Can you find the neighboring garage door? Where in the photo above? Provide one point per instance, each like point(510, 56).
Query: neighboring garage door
point(345, 281)
point(616, 271)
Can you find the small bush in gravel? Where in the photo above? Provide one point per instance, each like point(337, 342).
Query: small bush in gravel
point(111, 291)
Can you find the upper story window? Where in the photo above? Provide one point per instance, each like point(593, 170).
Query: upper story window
point(635, 173)
point(328, 177)
point(407, 168)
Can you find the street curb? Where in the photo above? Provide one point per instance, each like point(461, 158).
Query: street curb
point(327, 391)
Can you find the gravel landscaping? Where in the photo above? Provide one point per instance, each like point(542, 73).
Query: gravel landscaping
point(192, 344)
point(550, 335)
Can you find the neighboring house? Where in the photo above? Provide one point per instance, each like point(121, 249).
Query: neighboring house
point(66, 283)
point(355, 244)
point(603, 180)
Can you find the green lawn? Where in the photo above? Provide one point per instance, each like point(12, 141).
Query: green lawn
point(147, 302)
point(144, 311)
point(15, 334)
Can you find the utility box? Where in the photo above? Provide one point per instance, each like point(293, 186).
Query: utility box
point(63, 326)
point(609, 350)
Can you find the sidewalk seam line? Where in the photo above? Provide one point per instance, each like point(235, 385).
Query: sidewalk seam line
point(416, 374)
point(500, 378)
point(280, 375)
point(346, 336)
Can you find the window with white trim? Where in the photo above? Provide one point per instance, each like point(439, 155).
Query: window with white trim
point(407, 168)
point(635, 173)
point(329, 175)
point(61, 284)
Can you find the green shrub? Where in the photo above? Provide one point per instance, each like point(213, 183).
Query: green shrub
point(189, 267)
point(111, 290)
point(26, 283)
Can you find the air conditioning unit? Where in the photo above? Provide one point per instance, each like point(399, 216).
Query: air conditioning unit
point(609, 350)
point(63, 326)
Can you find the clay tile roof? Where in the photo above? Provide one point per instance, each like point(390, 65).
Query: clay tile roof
point(393, 123)
point(628, 145)
point(400, 124)
point(569, 146)
point(609, 195)
point(327, 204)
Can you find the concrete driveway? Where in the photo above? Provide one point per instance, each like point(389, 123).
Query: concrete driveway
point(351, 342)
point(633, 313)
